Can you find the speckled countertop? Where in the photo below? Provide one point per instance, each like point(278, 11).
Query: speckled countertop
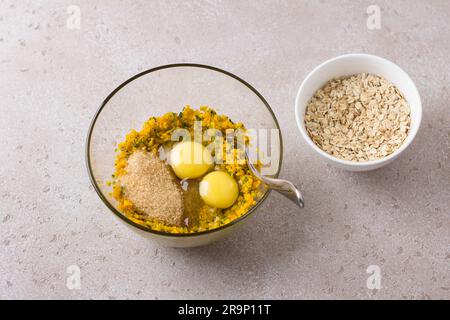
point(54, 75)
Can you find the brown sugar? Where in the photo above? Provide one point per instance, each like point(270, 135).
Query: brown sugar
point(152, 188)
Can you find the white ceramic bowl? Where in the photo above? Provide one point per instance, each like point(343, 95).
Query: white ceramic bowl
point(347, 65)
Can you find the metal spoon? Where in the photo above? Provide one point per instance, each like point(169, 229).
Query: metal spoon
point(285, 187)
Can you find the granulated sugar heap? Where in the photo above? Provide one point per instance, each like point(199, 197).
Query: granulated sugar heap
point(151, 187)
point(358, 118)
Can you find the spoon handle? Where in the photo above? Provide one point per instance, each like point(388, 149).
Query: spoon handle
point(286, 188)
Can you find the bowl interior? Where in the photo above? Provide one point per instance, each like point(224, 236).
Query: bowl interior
point(168, 89)
point(353, 64)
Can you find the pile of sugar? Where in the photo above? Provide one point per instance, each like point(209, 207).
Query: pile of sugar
point(152, 188)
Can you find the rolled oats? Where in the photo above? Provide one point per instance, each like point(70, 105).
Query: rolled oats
point(358, 118)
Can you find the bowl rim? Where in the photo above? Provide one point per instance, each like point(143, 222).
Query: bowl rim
point(371, 163)
point(160, 233)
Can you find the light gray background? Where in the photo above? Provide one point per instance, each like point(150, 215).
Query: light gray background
point(53, 79)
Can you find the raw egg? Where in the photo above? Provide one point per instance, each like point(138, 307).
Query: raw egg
point(219, 190)
point(190, 159)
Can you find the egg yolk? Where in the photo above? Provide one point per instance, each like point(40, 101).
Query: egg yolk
point(219, 190)
point(190, 159)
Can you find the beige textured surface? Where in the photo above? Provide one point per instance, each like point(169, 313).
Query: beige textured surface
point(53, 79)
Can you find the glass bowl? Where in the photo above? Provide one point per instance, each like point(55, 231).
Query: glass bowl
point(168, 89)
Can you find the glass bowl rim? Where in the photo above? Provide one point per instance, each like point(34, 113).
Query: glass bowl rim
point(160, 233)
